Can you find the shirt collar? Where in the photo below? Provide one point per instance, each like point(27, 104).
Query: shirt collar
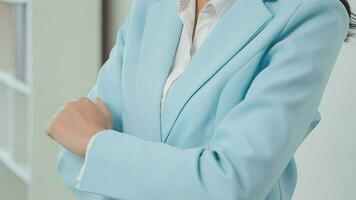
point(220, 6)
point(183, 4)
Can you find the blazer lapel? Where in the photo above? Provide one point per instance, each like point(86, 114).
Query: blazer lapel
point(159, 44)
point(244, 20)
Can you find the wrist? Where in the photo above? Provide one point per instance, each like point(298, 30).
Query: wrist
point(91, 139)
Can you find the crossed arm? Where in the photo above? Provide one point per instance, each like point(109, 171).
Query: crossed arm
point(280, 103)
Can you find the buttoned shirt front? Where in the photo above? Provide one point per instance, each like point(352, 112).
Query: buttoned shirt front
point(189, 43)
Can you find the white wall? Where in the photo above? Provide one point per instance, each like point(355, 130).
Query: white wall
point(327, 159)
point(66, 57)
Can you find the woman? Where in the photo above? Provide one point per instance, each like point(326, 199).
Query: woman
point(202, 100)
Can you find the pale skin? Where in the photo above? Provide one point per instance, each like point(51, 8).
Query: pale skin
point(79, 120)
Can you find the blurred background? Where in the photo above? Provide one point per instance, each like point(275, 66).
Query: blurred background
point(51, 51)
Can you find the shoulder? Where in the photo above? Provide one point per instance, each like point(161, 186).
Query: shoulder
point(311, 8)
point(138, 13)
point(326, 15)
point(143, 5)
point(332, 7)
point(140, 9)
point(306, 6)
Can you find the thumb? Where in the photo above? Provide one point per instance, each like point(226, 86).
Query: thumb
point(102, 106)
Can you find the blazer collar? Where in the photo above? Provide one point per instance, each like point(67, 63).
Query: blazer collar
point(159, 43)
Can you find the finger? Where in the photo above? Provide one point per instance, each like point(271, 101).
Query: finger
point(48, 133)
point(102, 106)
point(50, 136)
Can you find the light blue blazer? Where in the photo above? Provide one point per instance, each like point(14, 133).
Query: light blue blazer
point(230, 124)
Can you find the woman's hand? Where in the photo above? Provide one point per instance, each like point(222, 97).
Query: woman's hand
point(77, 121)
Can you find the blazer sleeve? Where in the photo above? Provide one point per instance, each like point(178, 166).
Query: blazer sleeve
point(108, 80)
point(254, 141)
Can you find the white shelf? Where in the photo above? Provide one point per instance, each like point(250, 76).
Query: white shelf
point(14, 1)
point(15, 152)
point(20, 172)
point(12, 83)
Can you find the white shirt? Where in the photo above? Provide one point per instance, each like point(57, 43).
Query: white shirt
point(208, 17)
point(187, 46)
